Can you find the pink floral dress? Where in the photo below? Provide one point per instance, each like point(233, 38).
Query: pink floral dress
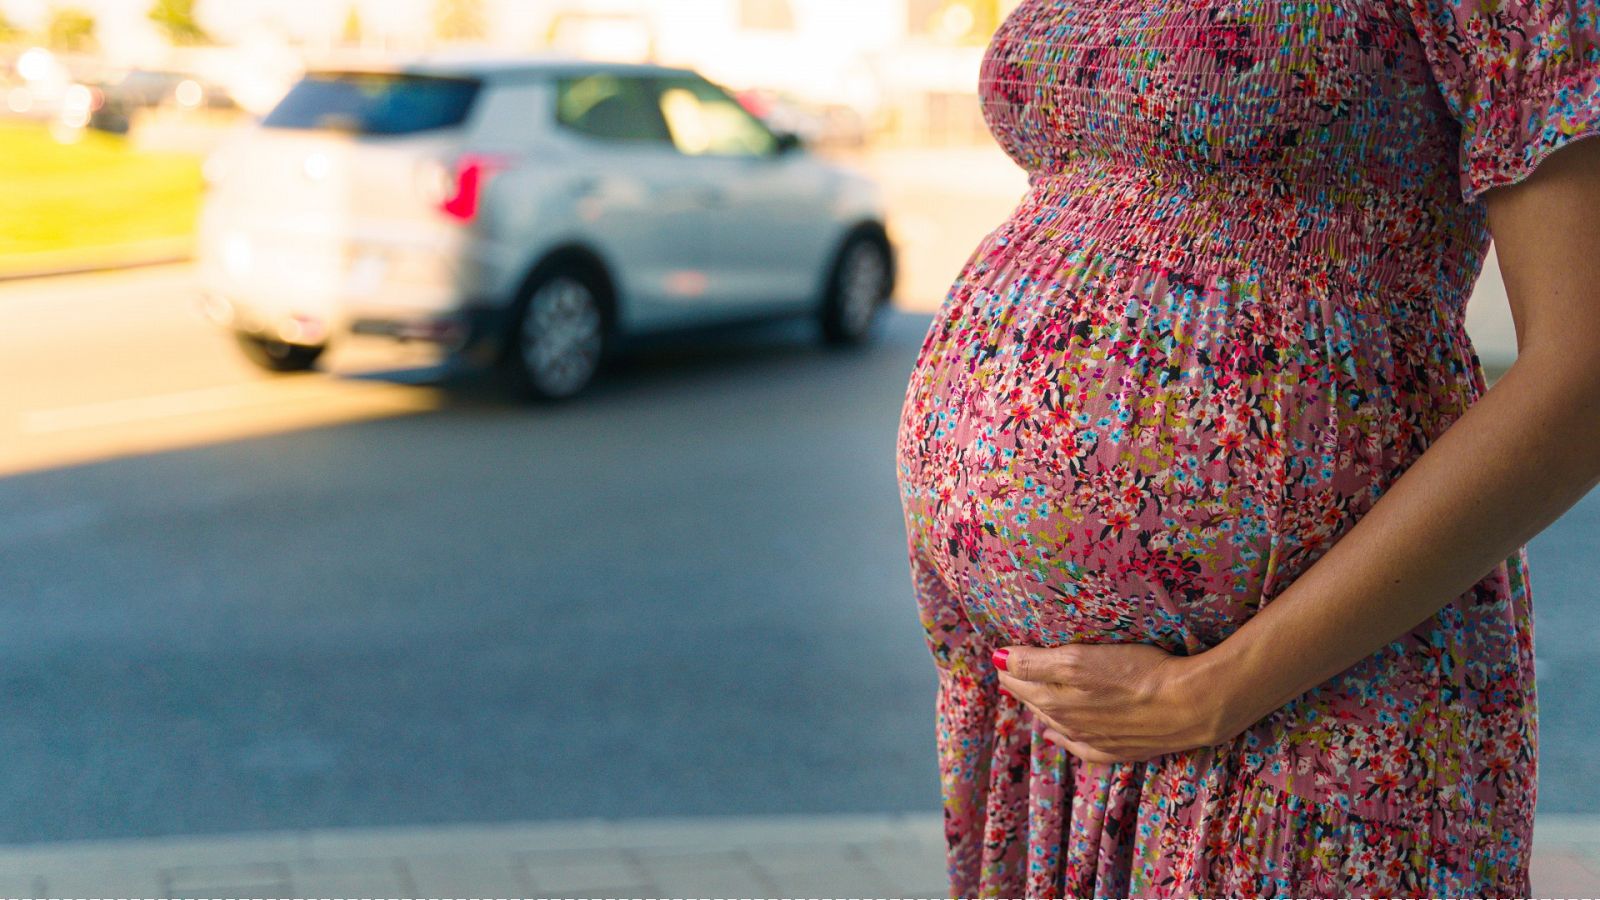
point(1224, 318)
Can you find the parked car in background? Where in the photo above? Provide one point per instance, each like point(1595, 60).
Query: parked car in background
point(532, 215)
point(110, 104)
point(832, 125)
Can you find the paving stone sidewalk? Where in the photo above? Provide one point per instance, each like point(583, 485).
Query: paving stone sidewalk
point(801, 856)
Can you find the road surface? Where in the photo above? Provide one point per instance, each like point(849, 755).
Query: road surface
point(235, 602)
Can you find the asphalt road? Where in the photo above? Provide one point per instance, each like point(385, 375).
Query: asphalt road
point(236, 603)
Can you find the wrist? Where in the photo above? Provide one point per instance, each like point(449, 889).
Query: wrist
point(1210, 683)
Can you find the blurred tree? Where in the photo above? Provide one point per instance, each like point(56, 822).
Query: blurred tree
point(176, 20)
point(8, 30)
point(766, 15)
point(459, 20)
point(70, 29)
point(961, 21)
point(352, 32)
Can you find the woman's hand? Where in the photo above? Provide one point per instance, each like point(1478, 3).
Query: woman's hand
point(1116, 702)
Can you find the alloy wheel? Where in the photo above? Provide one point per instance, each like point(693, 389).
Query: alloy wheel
point(561, 336)
point(861, 282)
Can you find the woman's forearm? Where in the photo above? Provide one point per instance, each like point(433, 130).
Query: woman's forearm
point(1524, 453)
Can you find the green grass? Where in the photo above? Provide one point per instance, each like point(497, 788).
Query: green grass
point(90, 197)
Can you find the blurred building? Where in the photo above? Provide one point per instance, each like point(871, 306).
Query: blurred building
point(897, 70)
point(908, 68)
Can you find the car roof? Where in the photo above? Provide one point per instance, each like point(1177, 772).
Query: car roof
point(495, 67)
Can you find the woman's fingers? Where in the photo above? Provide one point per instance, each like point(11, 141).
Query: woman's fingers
point(1044, 697)
point(1083, 742)
point(1038, 693)
point(1102, 702)
point(1077, 748)
point(1088, 752)
point(1058, 664)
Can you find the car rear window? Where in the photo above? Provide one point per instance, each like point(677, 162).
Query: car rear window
point(374, 103)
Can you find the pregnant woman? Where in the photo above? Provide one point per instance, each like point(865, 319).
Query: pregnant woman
point(1217, 533)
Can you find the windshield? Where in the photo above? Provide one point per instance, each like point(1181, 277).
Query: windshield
point(374, 103)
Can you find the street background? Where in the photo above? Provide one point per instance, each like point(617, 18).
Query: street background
point(390, 596)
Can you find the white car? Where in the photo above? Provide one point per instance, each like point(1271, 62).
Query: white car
point(529, 214)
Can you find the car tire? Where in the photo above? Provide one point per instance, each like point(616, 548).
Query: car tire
point(558, 338)
point(858, 287)
point(278, 356)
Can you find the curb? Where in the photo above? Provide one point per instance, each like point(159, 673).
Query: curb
point(867, 855)
point(142, 255)
point(836, 855)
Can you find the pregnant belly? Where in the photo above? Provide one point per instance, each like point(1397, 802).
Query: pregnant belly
point(1087, 454)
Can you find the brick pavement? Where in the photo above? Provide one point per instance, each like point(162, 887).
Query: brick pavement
point(801, 856)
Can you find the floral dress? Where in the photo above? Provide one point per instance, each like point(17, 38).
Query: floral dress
point(1223, 319)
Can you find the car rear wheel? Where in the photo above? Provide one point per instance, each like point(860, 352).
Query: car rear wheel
point(278, 356)
point(859, 287)
point(558, 340)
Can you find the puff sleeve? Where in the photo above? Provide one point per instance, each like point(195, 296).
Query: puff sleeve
point(1521, 77)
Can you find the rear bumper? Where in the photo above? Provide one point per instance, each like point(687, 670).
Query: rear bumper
point(409, 284)
point(472, 331)
point(473, 335)
point(308, 326)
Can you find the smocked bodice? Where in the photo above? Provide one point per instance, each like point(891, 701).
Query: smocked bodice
point(1305, 138)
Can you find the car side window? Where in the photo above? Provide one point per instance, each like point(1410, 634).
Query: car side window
point(703, 119)
point(611, 108)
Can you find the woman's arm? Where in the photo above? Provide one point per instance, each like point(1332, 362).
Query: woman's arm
point(1519, 457)
point(1509, 466)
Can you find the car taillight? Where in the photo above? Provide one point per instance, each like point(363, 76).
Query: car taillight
point(754, 104)
point(462, 192)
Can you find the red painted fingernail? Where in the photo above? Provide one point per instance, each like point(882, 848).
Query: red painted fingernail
point(999, 658)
